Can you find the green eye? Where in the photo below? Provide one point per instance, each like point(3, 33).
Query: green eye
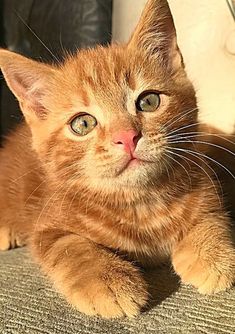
point(148, 101)
point(83, 124)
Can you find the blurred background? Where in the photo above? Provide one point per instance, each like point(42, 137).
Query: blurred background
point(205, 29)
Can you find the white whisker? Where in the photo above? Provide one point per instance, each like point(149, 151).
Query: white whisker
point(196, 164)
point(178, 118)
point(206, 157)
point(169, 156)
point(203, 142)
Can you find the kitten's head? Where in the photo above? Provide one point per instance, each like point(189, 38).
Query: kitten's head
point(103, 117)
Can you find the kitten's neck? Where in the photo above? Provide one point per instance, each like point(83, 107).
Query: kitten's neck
point(120, 198)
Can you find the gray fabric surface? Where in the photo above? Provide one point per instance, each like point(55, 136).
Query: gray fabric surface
point(28, 304)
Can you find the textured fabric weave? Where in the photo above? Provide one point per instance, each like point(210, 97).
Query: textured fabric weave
point(29, 304)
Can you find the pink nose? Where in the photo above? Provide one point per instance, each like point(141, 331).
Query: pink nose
point(127, 140)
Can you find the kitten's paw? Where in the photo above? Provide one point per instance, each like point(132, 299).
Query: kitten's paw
point(208, 274)
point(5, 240)
point(116, 294)
point(10, 239)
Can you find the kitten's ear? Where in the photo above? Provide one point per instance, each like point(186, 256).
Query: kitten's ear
point(28, 80)
point(155, 34)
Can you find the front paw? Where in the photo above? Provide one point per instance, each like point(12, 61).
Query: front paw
point(10, 238)
point(120, 292)
point(209, 273)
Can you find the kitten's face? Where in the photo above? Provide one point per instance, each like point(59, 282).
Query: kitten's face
point(108, 90)
point(103, 118)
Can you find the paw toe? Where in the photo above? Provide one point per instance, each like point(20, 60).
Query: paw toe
point(5, 239)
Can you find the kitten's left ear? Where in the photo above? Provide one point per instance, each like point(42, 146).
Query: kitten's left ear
point(155, 34)
point(28, 80)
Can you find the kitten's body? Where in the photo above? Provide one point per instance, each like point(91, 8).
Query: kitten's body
point(87, 205)
point(135, 222)
point(143, 224)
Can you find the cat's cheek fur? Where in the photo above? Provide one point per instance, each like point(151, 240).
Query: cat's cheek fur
point(92, 278)
point(64, 156)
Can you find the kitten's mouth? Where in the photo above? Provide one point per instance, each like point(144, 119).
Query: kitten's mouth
point(132, 163)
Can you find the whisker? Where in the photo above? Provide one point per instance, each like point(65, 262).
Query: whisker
point(196, 164)
point(62, 184)
point(60, 187)
point(173, 171)
point(209, 167)
point(178, 117)
point(71, 182)
point(201, 134)
point(34, 169)
point(169, 156)
point(203, 142)
point(166, 166)
point(191, 135)
point(25, 203)
point(206, 157)
point(30, 171)
point(35, 35)
point(182, 115)
point(183, 127)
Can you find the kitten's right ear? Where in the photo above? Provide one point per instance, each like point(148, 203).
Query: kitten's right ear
point(155, 34)
point(28, 80)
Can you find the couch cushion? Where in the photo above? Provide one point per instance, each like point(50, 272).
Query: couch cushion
point(29, 304)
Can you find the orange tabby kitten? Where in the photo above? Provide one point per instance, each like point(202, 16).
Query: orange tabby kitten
point(102, 177)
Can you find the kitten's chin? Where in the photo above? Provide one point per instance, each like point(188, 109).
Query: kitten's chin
point(132, 165)
point(130, 173)
point(136, 173)
point(139, 172)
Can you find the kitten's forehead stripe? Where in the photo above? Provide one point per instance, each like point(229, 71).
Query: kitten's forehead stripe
point(109, 71)
point(130, 79)
point(85, 97)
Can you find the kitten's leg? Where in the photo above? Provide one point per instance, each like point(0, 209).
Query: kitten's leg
point(5, 239)
point(93, 279)
point(11, 238)
point(14, 232)
point(205, 258)
point(16, 223)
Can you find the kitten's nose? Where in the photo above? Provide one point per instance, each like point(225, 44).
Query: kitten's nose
point(127, 140)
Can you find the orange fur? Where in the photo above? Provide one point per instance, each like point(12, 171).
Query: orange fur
point(87, 218)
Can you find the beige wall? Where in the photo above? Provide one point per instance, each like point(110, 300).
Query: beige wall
point(126, 15)
point(206, 36)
